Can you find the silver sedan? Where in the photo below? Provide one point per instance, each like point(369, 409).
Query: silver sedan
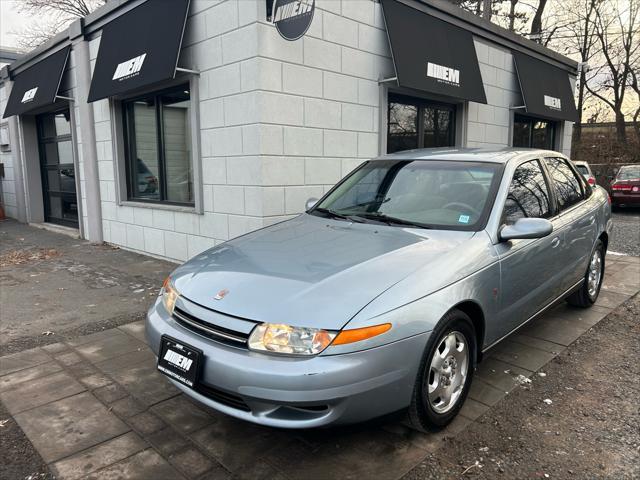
point(385, 293)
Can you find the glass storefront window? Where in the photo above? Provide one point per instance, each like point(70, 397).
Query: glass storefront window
point(403, 127)
point(532, 132)
point(158, 146)
point(416, 123)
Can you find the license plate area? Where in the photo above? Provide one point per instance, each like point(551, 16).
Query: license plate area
point(179, 361)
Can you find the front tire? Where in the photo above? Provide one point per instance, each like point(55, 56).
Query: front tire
point(590, 289)
point(445, 373)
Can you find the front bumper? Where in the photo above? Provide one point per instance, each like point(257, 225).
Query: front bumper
point(294, 392)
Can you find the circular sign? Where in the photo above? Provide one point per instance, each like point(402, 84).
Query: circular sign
point(292, 18)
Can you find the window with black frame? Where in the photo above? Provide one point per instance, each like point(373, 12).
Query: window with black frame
point(416, 123)
point(158, 147)
point(530, 132)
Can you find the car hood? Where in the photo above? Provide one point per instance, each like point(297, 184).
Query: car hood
point(310, 271)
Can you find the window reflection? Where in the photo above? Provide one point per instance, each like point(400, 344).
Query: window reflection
point(530, 132)
point(55, 125)
point(177, 146)
point(568, 187)
point(528, 194)
point(403, 127)
point(415, 123)
point(158, 136)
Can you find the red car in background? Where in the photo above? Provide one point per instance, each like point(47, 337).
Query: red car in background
point(625, 187)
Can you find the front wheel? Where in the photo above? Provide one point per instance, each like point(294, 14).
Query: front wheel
point(590, 289)
point(445, 374)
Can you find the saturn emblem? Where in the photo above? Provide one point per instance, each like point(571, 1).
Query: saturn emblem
point(221, 294)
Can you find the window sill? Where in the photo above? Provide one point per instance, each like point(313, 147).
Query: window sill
point(159, 206)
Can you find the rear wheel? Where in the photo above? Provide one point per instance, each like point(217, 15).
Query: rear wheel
point(445, 373)
point(590, 289)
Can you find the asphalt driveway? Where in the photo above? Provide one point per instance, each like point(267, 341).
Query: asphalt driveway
point(625, 237)
point(94, 406)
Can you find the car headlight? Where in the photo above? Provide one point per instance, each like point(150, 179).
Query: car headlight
point(279, 338)
point(169, 295)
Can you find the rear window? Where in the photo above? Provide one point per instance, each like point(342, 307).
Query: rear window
point(629, 173)
point(583, 169)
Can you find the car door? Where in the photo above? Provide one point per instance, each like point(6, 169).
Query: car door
point(576, 217)
point(529, 279)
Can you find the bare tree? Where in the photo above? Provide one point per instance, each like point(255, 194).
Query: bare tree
point(579, 40)
point(486, 9)
point(512, 15)
point(635, 86)
point(52, 17)
point(536, 23)
point(616, 33)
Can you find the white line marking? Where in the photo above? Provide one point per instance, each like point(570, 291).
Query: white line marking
point(611, 252)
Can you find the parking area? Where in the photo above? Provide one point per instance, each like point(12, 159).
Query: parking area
point(94, 406)
point(626, 232)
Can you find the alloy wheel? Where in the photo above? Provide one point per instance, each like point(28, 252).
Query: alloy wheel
point(447, 373)
point(595, 274)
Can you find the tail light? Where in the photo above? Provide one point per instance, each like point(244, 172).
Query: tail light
point(592, 181)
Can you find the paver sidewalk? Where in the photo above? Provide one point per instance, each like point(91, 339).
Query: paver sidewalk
point(95, 407)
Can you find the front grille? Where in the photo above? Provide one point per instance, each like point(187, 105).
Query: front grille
point(219, 396)
point(213, 332)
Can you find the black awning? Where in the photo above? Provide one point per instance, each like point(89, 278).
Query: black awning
point(432, 55)
point(139, 48)
point(546, 90)
point(37, 86)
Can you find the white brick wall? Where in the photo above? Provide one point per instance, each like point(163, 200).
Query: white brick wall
point(322, 105)
point(488, 125)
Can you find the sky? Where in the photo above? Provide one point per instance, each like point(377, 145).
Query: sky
point(10, 20)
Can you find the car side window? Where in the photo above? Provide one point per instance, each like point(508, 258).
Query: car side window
point(528, 195)
point(568, 187)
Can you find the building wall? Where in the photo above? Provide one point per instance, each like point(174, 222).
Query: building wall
point(489, 125)
point(7, 158)
point(318, 106)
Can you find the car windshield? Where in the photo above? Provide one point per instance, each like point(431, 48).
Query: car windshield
point(582, 169)
point(629, 173)
point(429, 194)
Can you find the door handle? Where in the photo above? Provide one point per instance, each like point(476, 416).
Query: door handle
point(555, 242)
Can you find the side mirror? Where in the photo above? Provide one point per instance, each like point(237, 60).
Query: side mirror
point(526, 228)
point(310, 203)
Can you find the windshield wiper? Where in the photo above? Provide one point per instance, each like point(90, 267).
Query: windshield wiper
point(334, 214)
point(391, 220)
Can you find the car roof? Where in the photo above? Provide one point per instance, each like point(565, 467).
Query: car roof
point(580, 162)
point(494, 155)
